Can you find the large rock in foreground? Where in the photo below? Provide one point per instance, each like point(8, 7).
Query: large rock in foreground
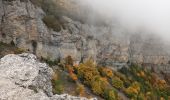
point(22, 77)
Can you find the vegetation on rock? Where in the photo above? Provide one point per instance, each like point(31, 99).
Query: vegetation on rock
point(57, 84)
point(80, 90)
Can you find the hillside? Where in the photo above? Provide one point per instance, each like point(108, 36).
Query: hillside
point(88, 53)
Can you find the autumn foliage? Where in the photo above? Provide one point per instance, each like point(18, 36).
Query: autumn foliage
point(134, 89)
point(73, 76)
point(99, 84)
point(87, 72)
point(105, 71)
point(134, 81)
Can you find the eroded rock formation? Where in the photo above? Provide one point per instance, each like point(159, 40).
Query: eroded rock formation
point(21, 23)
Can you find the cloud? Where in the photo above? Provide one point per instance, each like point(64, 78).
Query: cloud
point(151, 15)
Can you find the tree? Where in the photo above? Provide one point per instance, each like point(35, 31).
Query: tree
point(117, 83)
point(87, 71)
point(110, 94)
point(80, 90)
point(133, 90)
point(98, 85)
point(106, 72)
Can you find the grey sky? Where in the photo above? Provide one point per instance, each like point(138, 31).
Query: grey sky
point(153, 15)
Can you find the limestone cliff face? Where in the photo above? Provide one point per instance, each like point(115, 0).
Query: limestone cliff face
point(21, 23)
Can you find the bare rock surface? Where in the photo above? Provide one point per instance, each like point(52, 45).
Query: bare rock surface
point(21, 76)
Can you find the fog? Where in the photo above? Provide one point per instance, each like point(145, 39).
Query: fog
point(134, 15)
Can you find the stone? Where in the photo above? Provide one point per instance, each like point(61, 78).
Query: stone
point(68, 97)
point(26, 72)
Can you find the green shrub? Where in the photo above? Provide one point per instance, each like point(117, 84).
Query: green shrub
point(110, 94)
point(98, 85)
point(117, 83)
point(57, 84)
point(141, 96)
point(50, 62)
point(58, 88)
point(52, 22)
point(19, 50)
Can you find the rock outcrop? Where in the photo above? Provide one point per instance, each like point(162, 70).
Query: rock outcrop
point(23, 77)
point(21, 23)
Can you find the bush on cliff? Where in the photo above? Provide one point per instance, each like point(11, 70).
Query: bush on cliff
point(52, 22)
point(80, 90)
point(57, 84)
point(117, 83)
point(87, 71)
point(99, 85)
point(110, 94)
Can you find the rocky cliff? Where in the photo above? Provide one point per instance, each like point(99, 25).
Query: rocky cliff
point(21, 23)
point(23, 77)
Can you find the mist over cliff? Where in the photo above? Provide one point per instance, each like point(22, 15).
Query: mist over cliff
point(151, 16)
point(112, 31)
